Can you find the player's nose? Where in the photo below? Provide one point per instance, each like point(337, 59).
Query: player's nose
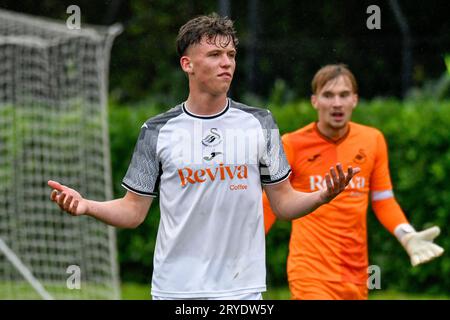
point(225, 61)
point(337, 102)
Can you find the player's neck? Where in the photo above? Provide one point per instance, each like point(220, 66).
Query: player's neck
point(206, 104)
point(332, 133)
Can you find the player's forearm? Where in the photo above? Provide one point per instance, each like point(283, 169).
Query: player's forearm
point(118, 213)
point(389, 213)
point(296, 204)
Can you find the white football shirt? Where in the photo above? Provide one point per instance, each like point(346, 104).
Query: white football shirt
point(208, 172)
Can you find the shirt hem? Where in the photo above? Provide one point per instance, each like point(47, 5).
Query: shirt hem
point(206, 294)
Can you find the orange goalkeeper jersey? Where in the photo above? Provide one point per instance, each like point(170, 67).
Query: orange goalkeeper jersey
point(331, 243)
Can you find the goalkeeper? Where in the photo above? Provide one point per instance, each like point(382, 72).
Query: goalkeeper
point(328, 248)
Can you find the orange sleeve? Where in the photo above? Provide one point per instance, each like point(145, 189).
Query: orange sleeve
point(389, 213)
point(387, 210)
point(269, 216)
point(380, 178)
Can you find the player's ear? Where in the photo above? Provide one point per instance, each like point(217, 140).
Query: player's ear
point(355, 100)
point(186, 64)
point(314, 101)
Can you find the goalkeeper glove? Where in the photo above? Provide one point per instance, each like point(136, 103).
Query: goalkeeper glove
point(419, 245)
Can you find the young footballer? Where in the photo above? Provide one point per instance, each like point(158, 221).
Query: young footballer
point(207, 160)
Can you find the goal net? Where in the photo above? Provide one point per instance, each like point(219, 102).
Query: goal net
point(53, 125)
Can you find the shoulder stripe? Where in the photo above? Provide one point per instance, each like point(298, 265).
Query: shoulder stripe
point(278, 180)
point(141, 193)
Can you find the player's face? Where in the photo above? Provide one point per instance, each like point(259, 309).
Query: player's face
point(335, 102)
point(211, 66)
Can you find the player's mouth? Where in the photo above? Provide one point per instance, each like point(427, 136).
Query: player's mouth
point(337, 116)
point(225, 75)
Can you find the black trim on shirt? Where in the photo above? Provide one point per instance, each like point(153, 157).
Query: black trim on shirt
point(278, 180)
point(206, 117)
point(153, 194)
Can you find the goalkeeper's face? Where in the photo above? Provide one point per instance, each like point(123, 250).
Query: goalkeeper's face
point(335, 102)
point(211, 64)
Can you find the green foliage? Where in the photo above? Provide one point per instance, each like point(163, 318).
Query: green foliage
point(447, 63)
point(417, 135)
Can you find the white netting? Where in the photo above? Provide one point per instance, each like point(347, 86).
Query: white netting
point(53, 125)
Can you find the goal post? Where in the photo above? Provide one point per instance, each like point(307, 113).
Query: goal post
point(53, 125)
point(24, 271)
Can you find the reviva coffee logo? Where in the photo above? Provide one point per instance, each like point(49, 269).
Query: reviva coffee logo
point(319, 183)
point(222, 173)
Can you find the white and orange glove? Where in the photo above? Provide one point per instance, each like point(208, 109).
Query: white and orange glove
point(419, 245)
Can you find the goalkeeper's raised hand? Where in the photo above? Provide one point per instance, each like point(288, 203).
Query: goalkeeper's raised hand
point(68, 199)
point(420, 246)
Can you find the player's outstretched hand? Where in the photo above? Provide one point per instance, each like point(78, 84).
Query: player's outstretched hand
point(336, 182)
point(420, 246)
point(67, 199)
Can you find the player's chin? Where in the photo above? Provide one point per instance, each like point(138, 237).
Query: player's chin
point(338, 125)
point(222, 89)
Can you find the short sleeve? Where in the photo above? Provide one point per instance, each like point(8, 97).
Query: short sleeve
point(144, 171)
point(274, 166)
point(380, 178)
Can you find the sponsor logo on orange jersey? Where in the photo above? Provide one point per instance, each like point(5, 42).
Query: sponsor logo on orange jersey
point(318, 182)
point(221, 173)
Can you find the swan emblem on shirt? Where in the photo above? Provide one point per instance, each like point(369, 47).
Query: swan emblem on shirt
point(213, 138)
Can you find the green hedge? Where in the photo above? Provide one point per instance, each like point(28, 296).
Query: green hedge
point(417, 133)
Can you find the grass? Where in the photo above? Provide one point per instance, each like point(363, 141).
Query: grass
point(21, 290)
point(394, 295)
point(133, 291)
point(137, 291)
